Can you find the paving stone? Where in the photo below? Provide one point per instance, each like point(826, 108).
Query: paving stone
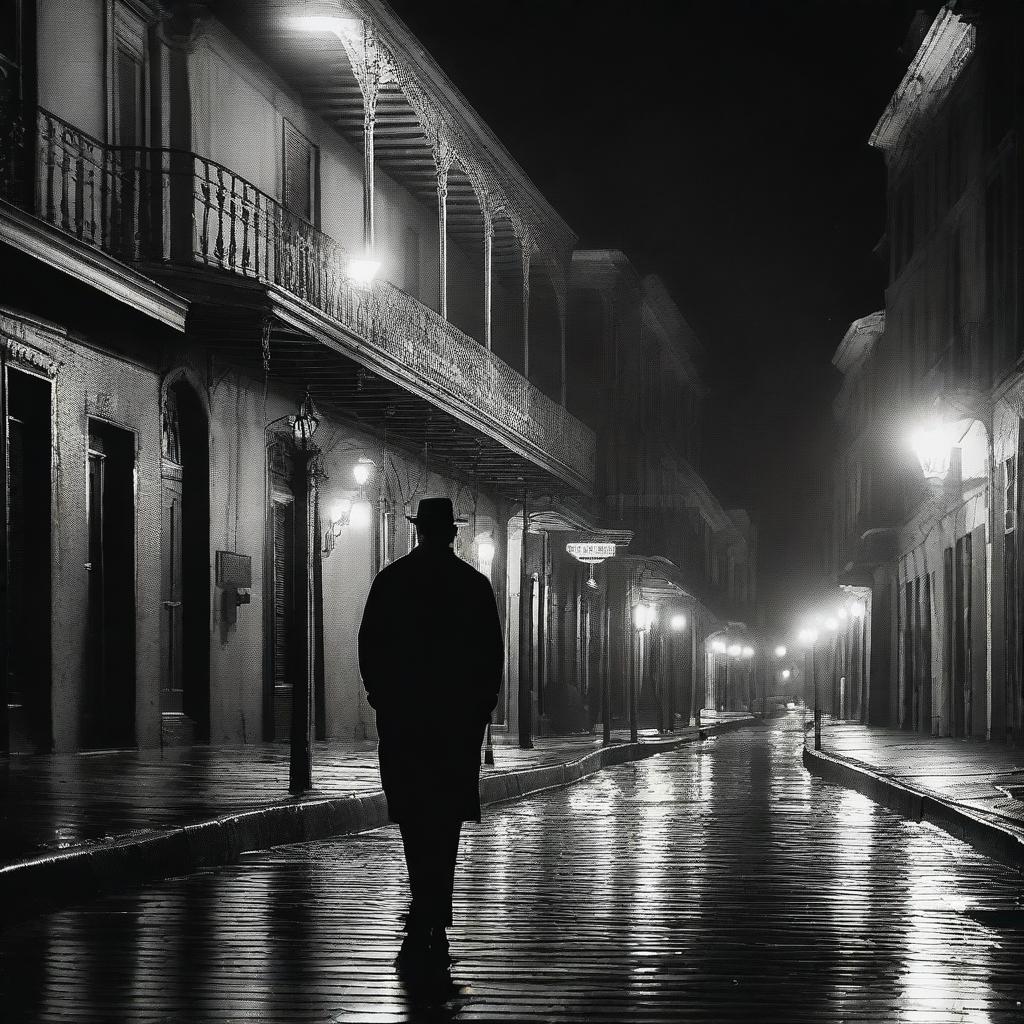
point(719, 882)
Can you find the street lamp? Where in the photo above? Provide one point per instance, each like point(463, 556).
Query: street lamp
point(362, 470)
point(933, 446)
point(300, 764)
point(807, 638)
point(643, 619)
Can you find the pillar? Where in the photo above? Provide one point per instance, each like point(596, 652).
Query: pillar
point(488, 252)
point(369, 118)
point(442, 239)
point(526, 308)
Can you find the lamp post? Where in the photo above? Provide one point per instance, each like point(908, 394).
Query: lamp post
point(807, 638)
point(300, 765)
point(678, 624)
point(644, 616)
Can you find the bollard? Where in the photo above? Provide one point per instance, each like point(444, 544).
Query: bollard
point(488, 749)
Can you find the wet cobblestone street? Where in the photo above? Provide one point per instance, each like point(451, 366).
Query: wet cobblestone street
point(719, 882)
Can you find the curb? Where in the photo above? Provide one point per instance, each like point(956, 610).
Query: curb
point(999, 841)
point(31, 887)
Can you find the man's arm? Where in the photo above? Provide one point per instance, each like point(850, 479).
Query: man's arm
point(492, 650)
point(369, 642)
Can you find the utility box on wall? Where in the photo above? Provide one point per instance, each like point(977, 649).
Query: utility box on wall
point(234, 577)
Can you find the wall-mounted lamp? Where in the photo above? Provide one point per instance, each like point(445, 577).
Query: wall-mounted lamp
point(305, 424)
point(933, 446)
point(363, 470)
point(345, 512)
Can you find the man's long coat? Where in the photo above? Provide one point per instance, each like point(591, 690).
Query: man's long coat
point(431, 655)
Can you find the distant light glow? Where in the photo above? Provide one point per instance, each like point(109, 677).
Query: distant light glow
point(644, 616)
point(786, 673)
point(830, 623)
point(678, 622)
point(857, 609)
point(340, 510)
point(718, 646)
point(360, 515)
point(748, 652)
point(735, 650)
point(841, 614)
point(780, 651)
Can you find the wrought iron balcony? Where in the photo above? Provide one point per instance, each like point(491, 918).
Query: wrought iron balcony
point(177, 209)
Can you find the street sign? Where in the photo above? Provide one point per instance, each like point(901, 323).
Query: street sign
point(592, 552)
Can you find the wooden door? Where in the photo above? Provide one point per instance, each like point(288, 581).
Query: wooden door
point(172, 596)
point(283, 612)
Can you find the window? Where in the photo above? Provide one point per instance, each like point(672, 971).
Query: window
point(126, 77)
point(300, 174)
point(10, 35)
point(128, 93)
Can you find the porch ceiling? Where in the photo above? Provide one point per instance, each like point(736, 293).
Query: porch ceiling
point(350, 393)
point(317, 65)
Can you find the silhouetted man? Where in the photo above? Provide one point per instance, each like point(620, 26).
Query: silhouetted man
point(431, 655)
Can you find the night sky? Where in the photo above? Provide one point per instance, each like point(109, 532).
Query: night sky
point(724, 146)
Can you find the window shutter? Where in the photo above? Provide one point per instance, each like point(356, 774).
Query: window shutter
point(299, 167)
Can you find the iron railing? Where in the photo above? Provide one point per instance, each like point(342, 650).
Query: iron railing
point(173, 207)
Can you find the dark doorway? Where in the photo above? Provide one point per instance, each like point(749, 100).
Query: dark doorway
point(185, 557)
point(28, 611)
point(108, 705)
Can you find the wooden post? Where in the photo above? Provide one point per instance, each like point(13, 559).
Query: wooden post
point(442, 239)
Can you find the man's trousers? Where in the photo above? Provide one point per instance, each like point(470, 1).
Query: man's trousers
point(431, 849)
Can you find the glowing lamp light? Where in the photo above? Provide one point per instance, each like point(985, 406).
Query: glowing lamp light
point(807, 636)
point(735, 650)
point(316, 23)
point(933, 446)
point(718, 646)
point(360, 515)
point(362, 470)
point(857, 609)
point(644, 616)
point(780, 651)
point(831, 624)
point(361, 272)
point(785, 673)
point(341, 510)
point(485, 551)
point(841, 614)
point(678, 622)
point(748, 652)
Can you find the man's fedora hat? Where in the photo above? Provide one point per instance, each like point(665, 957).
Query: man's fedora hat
point(435, 512)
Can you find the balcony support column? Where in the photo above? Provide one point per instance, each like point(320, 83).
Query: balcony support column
point(488, 253)
point(561, 350)
point(526, 307)
point(442, 240)
point(369, 118)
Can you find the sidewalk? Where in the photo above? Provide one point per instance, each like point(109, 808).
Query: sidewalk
point(972, 789)
point(74, 824)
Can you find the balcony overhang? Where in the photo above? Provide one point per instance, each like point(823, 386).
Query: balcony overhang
point(27, 234)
